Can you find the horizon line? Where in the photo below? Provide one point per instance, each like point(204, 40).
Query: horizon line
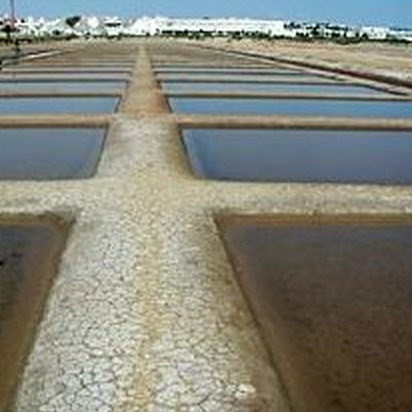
point(392, 25)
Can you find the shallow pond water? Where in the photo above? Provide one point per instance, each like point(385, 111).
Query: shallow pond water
point(279, 155)
point(229, 71)
point(333, 303)
point(30, 250)
point(291, 107)
point(58, 105)
point(241, 78)
point(43, 154)
point(61, 87)
point(272, 87)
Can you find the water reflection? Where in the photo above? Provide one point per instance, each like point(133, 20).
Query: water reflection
point(293, 107)
point(271, 87)
point(334, 306)
point(29, 253)
point(301, 155)
point(49, 153)
point(57, 105)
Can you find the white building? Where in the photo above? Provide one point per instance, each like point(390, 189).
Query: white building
point(375, 33)
point(164, 25)
point(150, 26)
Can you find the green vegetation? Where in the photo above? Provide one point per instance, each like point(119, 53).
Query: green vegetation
point(73, 20)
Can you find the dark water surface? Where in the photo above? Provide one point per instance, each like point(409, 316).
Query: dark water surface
point(29, 255)
point(41, 154)
point(334, 304)
point(374, 157)
point(182, 65)
point(229, 70)
point(73, 70)
point(293, 107)
point(273, 87)
point(56, 75)
point(58, 105)
point(240, 78)
point(61, 87)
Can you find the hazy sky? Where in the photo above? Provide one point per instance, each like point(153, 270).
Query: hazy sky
point(385, 12)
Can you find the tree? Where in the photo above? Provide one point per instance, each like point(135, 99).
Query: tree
point(73, 20)
point(8, 30)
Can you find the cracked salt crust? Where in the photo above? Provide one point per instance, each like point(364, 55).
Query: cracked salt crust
point(145, 314)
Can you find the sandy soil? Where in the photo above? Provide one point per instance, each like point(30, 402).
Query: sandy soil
point(377, 57)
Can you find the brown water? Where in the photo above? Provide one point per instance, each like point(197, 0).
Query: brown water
point(30, 250)
point(333, 301)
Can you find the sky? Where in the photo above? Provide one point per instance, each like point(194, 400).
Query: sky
point(356, 12)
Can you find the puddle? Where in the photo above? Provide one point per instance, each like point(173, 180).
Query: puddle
point(290, 107)
point(61, 87)
point(323, 88)
point(333, 303)
point(40, 154)
point(305, 156)
point(58, 105)
point(29, 253)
